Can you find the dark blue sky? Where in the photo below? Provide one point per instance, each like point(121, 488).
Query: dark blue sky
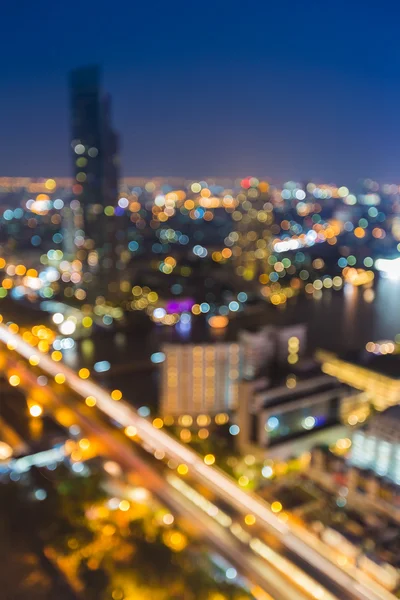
point(285, 89)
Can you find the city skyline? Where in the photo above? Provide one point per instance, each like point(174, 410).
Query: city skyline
point(199, 302)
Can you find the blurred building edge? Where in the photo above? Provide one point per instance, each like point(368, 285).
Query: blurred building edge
point(94, 148)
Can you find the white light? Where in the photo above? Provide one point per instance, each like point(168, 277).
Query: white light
point(36, 410)
point(311, 236)
point(40, 494)
point(112, 468)
point(123, 202)
point(168, 519)
point(272, 423)
point(308, 422)
point(58, 318)
point(159, 200)
point(113, 503)
point(5, 451)
point(159, 313)
point(52, 274)
point(67, 343)
point(231, 573)
point(267, 472)
point(41, 459)
point(58, 204)
point(74, 430)
point(200, 251)
point(67, 327)
point(389, 267)
point(79, 149)
point(286, 246)
point(350, 199)
point(140, 494)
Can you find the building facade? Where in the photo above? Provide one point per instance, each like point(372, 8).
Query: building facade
point(200, 378)
point(377, 446)
point(269, 415)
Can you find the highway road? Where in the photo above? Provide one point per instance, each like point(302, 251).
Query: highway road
point(209, 476)
point(208, 525)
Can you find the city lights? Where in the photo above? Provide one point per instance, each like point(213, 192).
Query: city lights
point(35, 410)
point(200, 375)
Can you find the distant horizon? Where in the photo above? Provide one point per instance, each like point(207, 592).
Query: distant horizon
point(219, 178)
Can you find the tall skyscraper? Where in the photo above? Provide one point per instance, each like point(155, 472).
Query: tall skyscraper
point(95, 155)
point(253, 231)
point(110, 154)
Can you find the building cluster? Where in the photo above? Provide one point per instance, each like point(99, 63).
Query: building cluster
point(273, 391)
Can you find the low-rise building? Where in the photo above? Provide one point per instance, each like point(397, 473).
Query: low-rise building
point(375, 371)
point(287, 404)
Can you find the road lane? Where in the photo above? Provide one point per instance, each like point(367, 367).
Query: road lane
point(119, 449)
point(211, 477)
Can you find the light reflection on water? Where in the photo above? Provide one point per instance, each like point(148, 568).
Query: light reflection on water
point(341, 320)
point(337, 320)
point(349, 319)
point(387, 309)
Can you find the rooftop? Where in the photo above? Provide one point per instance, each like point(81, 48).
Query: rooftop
point(383, 364)
point(275, 375)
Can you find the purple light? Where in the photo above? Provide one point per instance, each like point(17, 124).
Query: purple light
point(179, 306)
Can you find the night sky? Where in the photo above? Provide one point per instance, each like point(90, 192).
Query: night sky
point(299, 90)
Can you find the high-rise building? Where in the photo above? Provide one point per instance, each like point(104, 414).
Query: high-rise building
point(95, 155)
point(252, 238)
